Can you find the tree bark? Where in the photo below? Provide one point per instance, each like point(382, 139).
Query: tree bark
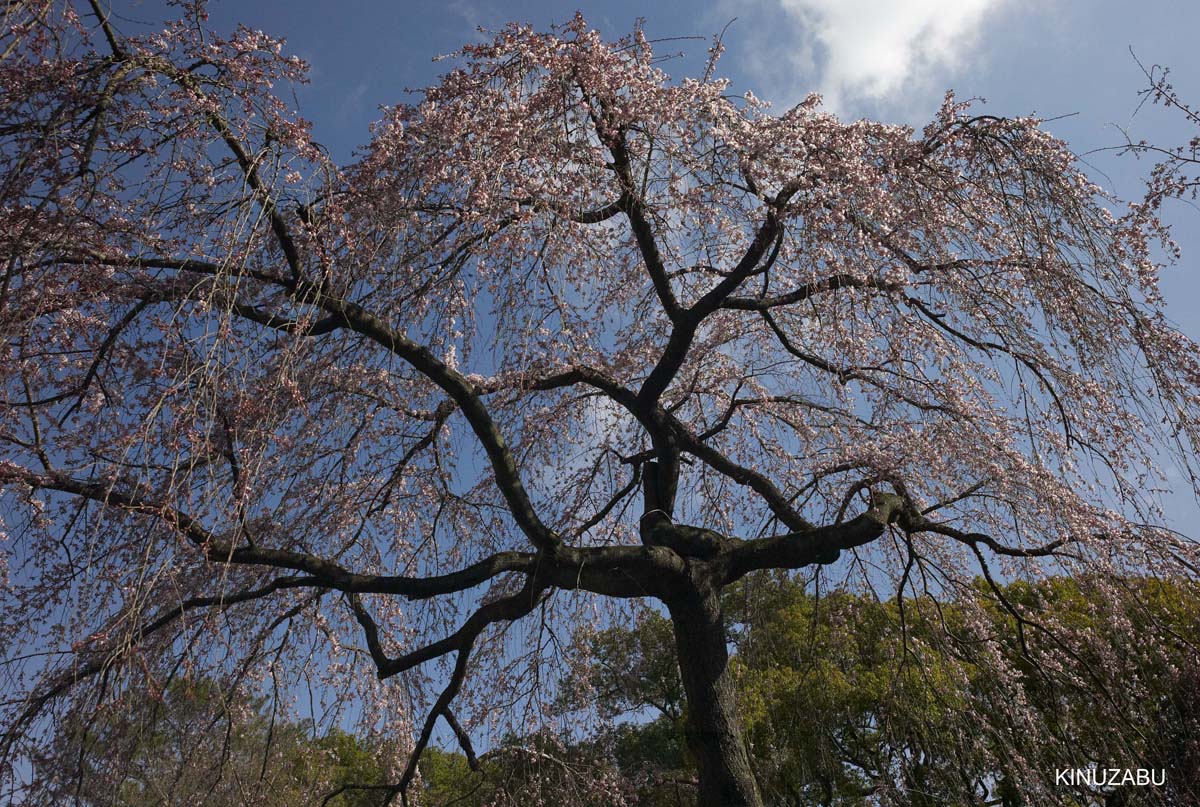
point(714, 730)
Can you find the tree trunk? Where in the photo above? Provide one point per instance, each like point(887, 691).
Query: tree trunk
point(714, 730)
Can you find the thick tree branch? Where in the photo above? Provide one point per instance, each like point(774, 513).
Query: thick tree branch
point(973, 539)
point(291, 326)
point(643, 232)
point(839, 281)
point(505, 609)
point(658, 421)
point(779, 504)
point(819, 545)
point(462, 391)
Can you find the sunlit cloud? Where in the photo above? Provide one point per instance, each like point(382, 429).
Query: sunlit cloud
point(865, 51)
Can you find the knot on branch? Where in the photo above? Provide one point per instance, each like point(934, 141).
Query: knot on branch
point(894, 508)
point(652, 521)
point(885, 507)
point(696, 542)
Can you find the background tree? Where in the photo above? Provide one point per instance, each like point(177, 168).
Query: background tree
point(833, 713)
point(566, 326)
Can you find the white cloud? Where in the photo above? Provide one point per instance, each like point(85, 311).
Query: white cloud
point(884, 50)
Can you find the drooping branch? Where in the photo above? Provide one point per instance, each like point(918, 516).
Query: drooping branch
point(844, 374)
point(247, 164)
point(320, 572)
point(342, 313)
point(440, 709)
point(98, 660)
point(505, 609)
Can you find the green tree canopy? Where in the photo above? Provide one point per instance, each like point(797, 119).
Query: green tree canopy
point(845, 697)
point(200, 745)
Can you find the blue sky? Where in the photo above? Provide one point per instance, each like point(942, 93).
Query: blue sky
point(885, 59)
point(889, 59)
point(1067, 60)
